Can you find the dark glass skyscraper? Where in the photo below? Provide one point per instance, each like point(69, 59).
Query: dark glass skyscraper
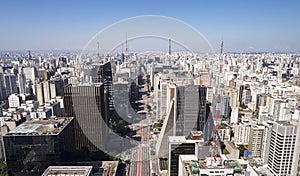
point(87, 103)
point(190, 109)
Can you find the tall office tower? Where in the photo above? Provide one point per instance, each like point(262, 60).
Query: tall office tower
point(241, 133)
point(88, 104)
point(30, 73)
point(209, 94)
point(163, 102)
point(36, 144)
point(2, 88)
point(246, 96)
point(56, 87)
point(22, 83)
point(103, 74)
point(256, 140)
point(296, 157)
point(121, 100)
point(266, 142)
point(168, 129)
point(261, 100)
point(49, 89)
point(47, 92)
point(10, 84)
point(283, 149)
point(225, 108)
point(40, 93)
point(278, 111)
point(234, 117)
point(14, 101)
point(157, 93)
point(187, 111)
point(178, 145)
point(191, 109)
point(171, 91)
point(234, 101)
point(240, 93)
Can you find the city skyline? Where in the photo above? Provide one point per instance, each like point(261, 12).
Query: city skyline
point(269, 26)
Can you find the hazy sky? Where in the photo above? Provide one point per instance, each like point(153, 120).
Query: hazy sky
point(250, 25)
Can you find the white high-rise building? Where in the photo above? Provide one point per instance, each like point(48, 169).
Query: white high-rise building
point(14, 101)
point(171, 91)
point(256, 140)
point(163, 105)
point(278, 111)
point(30, 73)
point(246, 96)
point(40, 93)
point(296, 157)
point(266, 142)
point(241, 134)
point(46, 89)
point(209, 94)
point(234, 115)
point(283, 148)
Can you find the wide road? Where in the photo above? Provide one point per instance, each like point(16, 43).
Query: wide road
point(140, 155)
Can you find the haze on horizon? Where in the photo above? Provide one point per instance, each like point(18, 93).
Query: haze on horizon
point(268, 26)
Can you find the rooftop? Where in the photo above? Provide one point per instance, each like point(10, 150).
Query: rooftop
point(192, 166)
point(109, 168)
point(196, 133)
point(285, 123)
point(181, 139)
point(68, 171)
point(49, 126)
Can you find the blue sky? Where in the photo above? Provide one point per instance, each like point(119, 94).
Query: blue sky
point(243, 25)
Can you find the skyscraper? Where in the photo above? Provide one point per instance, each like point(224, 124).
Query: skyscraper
point(40, 93)
point(21, 83)
point(283, 148)
point(256, 140)
point(10, 83)
point(225, 108)
point(87, 103)
point(2, 88)
point(178, 145)
point(190, 109)
point(103, 74)
point(56, 87)
point(30, 73)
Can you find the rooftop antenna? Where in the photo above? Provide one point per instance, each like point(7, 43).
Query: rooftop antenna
point(29, 55)
point(126, 49)
point(98, 48)
point(170, 46)
point(169, 58)
point(222, 45)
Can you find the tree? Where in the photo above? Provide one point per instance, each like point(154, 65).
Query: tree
point(242, 149)
point(243, 106)
point(3, 169)
point(148, 79)
point(149, 108)
point(151, 88)
point(225, 151)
